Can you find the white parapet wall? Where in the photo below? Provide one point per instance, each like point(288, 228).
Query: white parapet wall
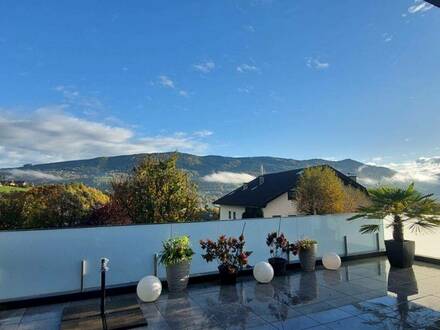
point(35, 263)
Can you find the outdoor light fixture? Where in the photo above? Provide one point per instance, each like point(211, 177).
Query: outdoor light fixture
point(149, 288)
point(263, 272)
point(331, 261)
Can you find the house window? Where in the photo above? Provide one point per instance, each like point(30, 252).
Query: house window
point(291, 195)
point(229, 214)
point(234, 215)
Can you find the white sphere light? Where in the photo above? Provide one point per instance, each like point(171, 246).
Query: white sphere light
point(331, 261)
point(263, 272)
point(149, 288)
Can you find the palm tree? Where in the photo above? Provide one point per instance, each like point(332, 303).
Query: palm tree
point(403, 207)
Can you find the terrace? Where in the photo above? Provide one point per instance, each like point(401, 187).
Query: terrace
point(362, 294)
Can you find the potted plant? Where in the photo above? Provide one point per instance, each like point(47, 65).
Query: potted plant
point(400, 207)
point(279, 247)
point(229, 253)
point(176, 255)
point(306, 250)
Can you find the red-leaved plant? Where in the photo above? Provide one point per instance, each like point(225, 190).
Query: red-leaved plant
point(278, 244)
point(228, 251)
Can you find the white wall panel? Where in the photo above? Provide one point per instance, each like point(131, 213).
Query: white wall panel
point(46, 262)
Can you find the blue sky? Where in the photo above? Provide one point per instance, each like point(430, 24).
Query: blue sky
point(297, 79)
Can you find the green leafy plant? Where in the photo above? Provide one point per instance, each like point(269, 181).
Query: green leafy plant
point(303, 244)
point(400, 207)
point(176, 250)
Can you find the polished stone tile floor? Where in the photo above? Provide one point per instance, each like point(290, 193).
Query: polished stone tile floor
point(363, 294)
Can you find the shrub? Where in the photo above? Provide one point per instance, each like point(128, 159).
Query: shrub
point(109, 214)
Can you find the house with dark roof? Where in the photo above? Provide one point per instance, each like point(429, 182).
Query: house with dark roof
point(269, 195)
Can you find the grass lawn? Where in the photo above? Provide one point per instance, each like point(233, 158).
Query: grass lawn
point(7, 189)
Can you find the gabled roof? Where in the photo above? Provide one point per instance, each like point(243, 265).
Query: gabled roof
point(254, 194)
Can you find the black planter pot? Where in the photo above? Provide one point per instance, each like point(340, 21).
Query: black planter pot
point(226, 276)
point(400, 254)
point(279, 265)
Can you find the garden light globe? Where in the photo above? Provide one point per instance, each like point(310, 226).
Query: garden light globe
point(331, 261)
point(149, 288)
point(263, 272)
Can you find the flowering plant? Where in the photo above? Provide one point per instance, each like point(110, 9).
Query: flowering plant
point(227, 250)
point(303, 244)
point(278, 244)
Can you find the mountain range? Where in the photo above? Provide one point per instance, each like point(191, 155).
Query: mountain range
point(214, 175)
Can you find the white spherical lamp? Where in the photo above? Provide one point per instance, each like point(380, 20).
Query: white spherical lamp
point(149, 288)
point(263, 272)
point(331, 261)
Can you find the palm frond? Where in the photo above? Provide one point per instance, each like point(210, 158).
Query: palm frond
point(406, 206)
point(423, 224)
point(368, 229)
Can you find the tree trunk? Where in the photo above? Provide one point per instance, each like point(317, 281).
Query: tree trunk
point(398, 229)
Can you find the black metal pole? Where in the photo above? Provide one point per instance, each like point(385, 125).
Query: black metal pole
point(104, 269)
point(102, 289)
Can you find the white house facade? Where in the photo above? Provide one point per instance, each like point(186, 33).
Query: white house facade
point(269, 195)
point(230, 212)
point(281, 206)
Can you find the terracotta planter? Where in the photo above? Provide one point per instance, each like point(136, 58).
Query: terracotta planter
point(177, 276)
point(307, 258)
point(227, 276)
point(279, 265)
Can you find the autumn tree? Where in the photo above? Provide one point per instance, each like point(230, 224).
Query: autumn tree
point(156, 192)
point(320, 191)
point(354, 198)
point(50, 206)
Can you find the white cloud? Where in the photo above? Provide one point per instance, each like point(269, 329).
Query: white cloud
point(183, 93)
point(387, 37)
point(367, 181)
point(249, 28)
point(315, 63)
point(17, 174)
point(205, 67)
point(247, 68)
point(422, 170)
point(165, 81)
point(72, 97)
point(419, 6)
point(245, 90)
point(203, 133)
point(49, 134)
point(228, 177)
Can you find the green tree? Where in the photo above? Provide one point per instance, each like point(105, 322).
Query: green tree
point(320, 191)
point(50, 206)
point(157, 192)
point(403, 207)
